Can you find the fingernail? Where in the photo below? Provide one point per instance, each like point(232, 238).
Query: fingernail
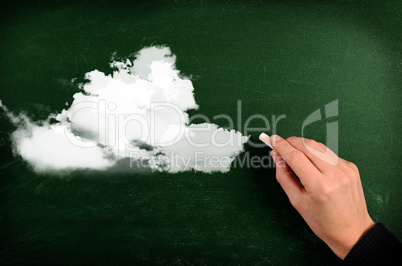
point(265, 138)
point(274, 139)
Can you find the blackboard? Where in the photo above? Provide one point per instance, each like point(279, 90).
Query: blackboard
point(276, 57)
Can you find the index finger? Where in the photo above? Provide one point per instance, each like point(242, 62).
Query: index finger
point(297, 160)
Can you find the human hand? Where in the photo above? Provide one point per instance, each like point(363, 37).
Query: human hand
point(329, 195)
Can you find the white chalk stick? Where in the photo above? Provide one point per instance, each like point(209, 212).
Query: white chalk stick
point(265, 138)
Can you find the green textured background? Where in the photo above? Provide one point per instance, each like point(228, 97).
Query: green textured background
point(278, 57)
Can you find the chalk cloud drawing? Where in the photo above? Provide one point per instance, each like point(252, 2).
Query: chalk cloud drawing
point(137, 112)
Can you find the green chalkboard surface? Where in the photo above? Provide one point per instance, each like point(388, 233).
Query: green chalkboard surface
point(274, 57)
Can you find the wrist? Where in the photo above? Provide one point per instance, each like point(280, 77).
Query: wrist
point(342, 248)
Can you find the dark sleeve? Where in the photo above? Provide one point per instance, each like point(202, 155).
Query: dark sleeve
point(377, 247)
